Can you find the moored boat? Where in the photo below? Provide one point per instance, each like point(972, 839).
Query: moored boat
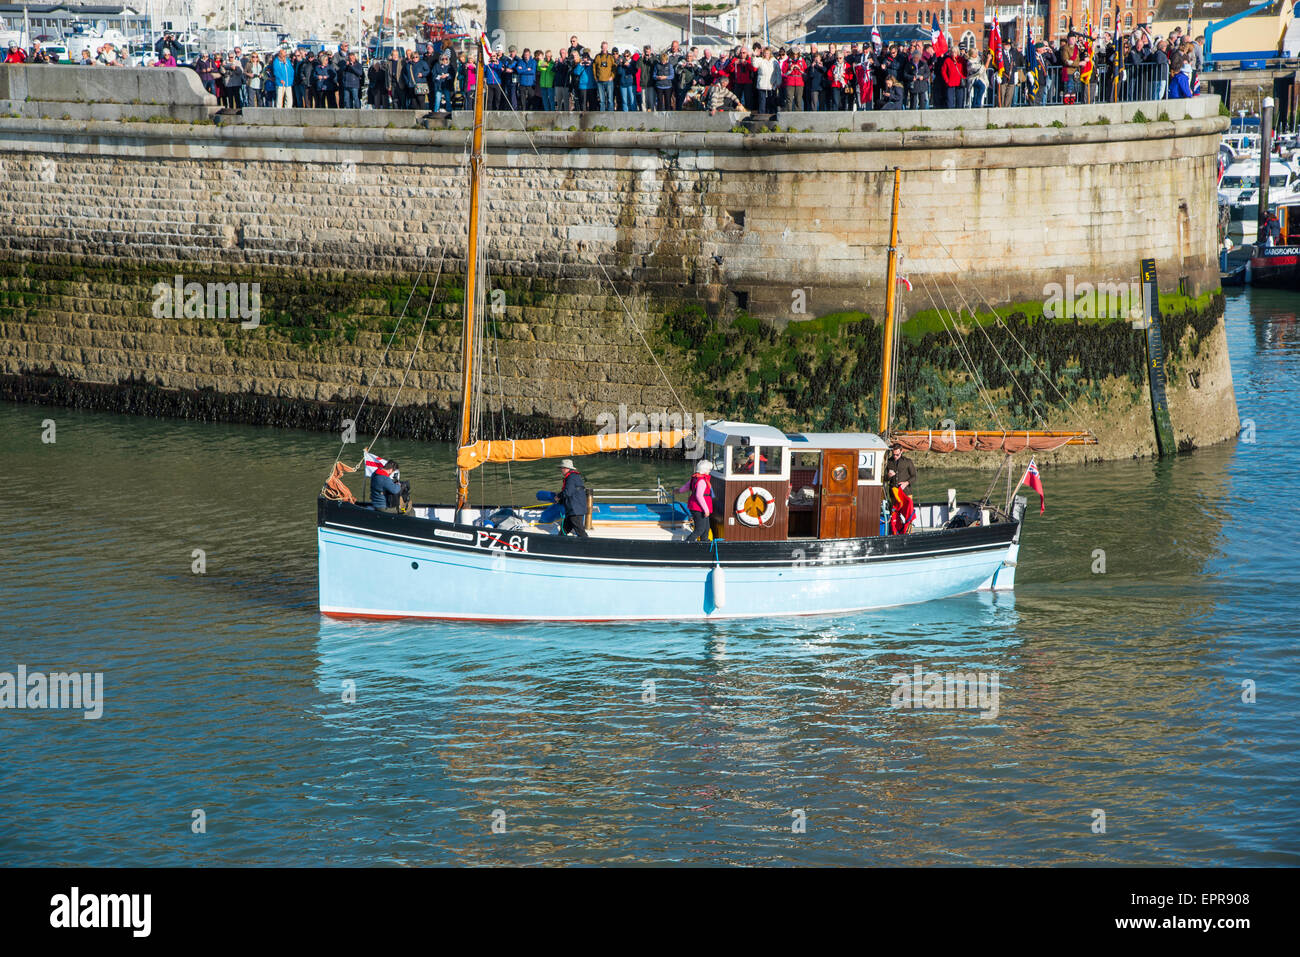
point(1277, 266)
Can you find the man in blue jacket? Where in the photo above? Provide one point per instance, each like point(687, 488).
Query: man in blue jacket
point(526, 75)
point(384, 484)
point(282, 71)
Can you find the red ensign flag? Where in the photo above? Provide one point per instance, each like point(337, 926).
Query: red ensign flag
point(1035, 481)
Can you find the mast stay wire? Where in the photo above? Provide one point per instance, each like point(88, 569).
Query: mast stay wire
point(998, 318)
point(926, 282)
point(623, 305)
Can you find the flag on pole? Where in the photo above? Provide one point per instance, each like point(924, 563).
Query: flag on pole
point(1031, 52)
point(995, 44)
point(1035, 481)
point(375, 465)
point(937, 39)
point(875, 35)
point(486, 46)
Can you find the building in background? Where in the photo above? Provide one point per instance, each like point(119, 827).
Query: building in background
point(57, 20)
point(636, 27)
point(548, 24)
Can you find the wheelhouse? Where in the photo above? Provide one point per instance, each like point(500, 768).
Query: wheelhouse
point(770, 485)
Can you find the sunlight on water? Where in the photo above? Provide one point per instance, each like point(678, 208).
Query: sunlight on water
point(225, 691)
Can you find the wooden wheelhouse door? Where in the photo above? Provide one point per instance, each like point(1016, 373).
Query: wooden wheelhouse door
point(839, 493)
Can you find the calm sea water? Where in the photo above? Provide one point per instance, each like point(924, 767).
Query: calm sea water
point(1119, 692)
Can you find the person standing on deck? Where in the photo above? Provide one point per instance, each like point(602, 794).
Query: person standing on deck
point(899, 472)
point(383, 485)
point(573, 496)
point(700, 486)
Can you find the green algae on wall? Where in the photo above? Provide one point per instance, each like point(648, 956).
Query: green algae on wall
point(824, 374)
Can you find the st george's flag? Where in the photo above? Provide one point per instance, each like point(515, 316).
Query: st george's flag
point(1035, 481)
point(937, 39)
point(375, 465)
point(875, 36)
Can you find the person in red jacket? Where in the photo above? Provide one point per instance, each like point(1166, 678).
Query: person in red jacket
point(793, 67)
point(742, 78)
point(840, 77)
point(951, 72)
point(16, 55)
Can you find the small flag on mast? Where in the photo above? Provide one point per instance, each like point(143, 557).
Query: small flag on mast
point(1035, 481)
point(875, 36)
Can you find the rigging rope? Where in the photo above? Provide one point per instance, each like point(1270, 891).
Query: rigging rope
point(1014, 337)
point(962, 351)
point(623, 305)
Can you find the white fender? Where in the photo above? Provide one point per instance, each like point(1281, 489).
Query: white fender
point(718, 584)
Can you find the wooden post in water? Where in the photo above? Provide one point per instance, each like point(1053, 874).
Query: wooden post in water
point(468, 314)
point(891, 273)
point(1265, 149)
point(1156, 378)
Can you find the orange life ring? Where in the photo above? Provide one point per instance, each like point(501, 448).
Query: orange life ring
point(755, 506)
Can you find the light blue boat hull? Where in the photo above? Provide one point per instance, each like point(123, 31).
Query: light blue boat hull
point(367, 576)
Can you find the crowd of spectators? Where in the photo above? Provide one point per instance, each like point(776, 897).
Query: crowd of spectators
point(761, 78)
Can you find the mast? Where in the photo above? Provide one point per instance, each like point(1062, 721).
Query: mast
point(887, 362)
point(471, 275)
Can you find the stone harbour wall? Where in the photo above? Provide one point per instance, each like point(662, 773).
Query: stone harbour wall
point(337, 223)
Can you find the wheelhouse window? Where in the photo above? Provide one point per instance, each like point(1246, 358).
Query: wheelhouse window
point(757, 461)
point(867, 467)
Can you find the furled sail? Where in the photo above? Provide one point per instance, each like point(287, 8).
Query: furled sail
point(564, 446)
point(990, 440)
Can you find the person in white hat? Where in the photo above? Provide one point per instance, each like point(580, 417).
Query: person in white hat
point(700, 486)
point(573, 496)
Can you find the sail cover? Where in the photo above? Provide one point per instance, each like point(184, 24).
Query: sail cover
point(564, 446)
point(973, 440)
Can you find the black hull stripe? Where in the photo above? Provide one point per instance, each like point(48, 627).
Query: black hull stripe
point(703, 562)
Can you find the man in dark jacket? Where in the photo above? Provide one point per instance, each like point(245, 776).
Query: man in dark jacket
point(561, 84)
point(351, 77)
point(167, 42)
point(377, 84)
point(302, 67)
point(573, 496)
point(393, 80)
point(899, 472)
